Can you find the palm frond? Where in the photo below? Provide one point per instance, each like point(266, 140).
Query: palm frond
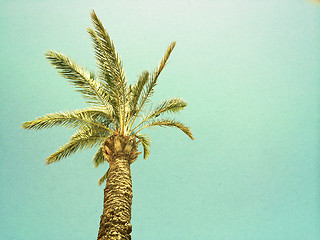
point(172, 105)
point(105, 51)
point(73, 119)
point(108, 74)
point(169, 123)
point(110, 64)
point(148, 90)
point(104, 178)
point(73, 146)
point(83, 80)
point(145, 141)
point(106, 63)
point(99, 114)
point(98, 158)
point(88, 131)
point(137, 89)
point(164, 60)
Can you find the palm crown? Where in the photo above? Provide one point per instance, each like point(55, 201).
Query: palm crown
point(115, 105)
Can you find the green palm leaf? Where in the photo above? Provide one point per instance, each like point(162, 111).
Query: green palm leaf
point(148, 89)
point(73, 146)
point(98, 158)
point(110, 64)
point(82, 79)
point(66, 119)
point(108, 58)
point(137, 89)
point(172, 105)
point(99, 113)
point(169, 123)
point(108, 73)
point(88, 131)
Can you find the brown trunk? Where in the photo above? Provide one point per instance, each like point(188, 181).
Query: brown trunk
point(120, 152)
point(115, 220)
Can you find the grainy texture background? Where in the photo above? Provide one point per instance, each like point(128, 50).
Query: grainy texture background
point(250, 73)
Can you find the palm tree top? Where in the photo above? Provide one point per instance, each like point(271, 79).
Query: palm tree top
point(116, 107)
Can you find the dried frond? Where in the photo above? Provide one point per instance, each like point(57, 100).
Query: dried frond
point(103, 178)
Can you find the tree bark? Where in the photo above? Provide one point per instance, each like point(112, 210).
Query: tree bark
point(115, 220)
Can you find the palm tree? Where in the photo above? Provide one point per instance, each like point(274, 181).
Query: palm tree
point(110, 123)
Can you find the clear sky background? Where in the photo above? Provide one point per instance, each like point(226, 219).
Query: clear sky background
point(250, 73)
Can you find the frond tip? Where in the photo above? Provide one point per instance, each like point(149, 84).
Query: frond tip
point(151, 82)
point(103, 178)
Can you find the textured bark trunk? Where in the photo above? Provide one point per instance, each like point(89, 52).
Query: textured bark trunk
point(115, 220)
point(120, 152)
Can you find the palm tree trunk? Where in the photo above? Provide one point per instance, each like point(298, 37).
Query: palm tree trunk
point(115, 220)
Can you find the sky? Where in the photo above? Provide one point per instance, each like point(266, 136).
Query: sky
point(249, 71)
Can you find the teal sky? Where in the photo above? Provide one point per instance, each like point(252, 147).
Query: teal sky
point(250, 73)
